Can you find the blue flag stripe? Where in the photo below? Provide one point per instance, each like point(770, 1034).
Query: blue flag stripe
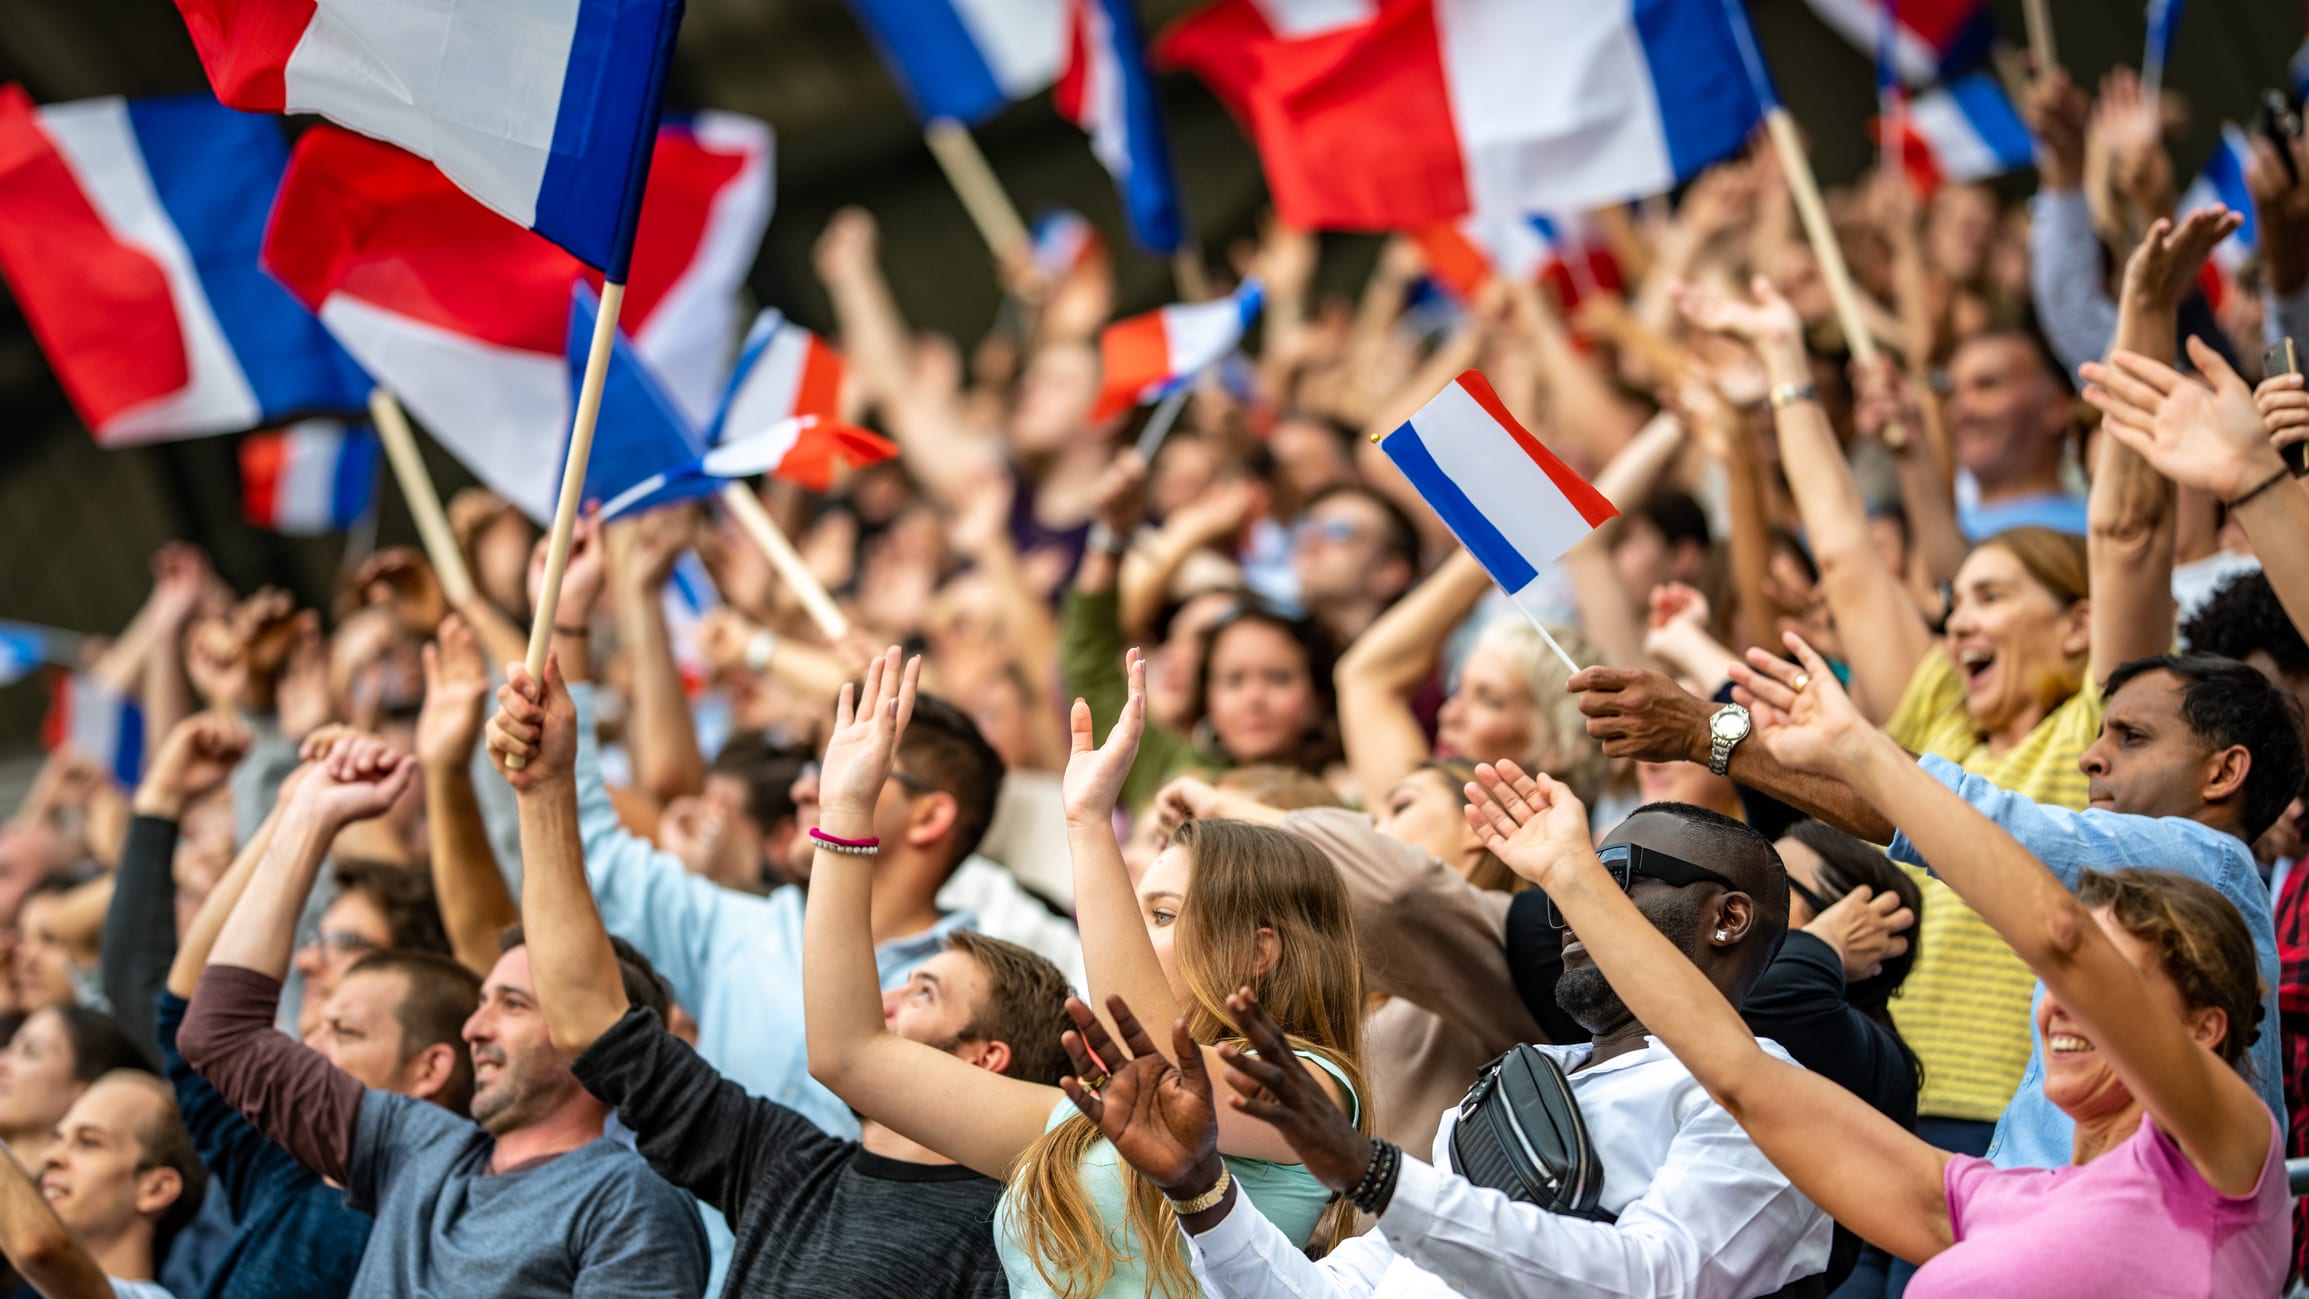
point(1491, 549)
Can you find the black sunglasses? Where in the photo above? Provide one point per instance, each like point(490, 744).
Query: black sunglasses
point(1625, 861)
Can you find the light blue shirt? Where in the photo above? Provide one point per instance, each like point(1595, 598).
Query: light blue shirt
point(2058, 511)
point(2034, 1133)
point(734, 959)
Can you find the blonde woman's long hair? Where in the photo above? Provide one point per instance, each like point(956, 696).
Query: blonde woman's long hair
point(1246, 878)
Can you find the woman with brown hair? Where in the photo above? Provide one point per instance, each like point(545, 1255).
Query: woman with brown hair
point(1223, 905)
point(2177, 1182)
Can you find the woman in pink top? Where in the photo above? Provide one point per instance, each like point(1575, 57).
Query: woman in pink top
point(2178, 1182)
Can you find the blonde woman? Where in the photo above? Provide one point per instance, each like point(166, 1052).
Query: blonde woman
point(1224, 904)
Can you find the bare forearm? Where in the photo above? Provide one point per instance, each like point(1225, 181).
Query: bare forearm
point(2130, 520)
point(841, 983)
point(666, 760)
point(199, 938)
point(476, 906)
point(261, 932)
point(1117, 957)
point(1398, 650)
point(1932, 530)
point(2277, 521)
point(44, 1250)
point(1822, 798)
point(578, 985)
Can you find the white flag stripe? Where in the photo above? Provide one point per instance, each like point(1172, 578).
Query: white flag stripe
point(1298, 19)
point(1022, 41)
point(691, 337)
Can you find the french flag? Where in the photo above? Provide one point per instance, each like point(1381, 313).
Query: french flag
point(2223, 182)
point(310, 479)
point(101, 724)
point(1106, 91)
point(783, 370)
point(1964, 131)
point(1064, 242)
point(807, 449)
point(1436, 108)
point(1929, 38)
point(1147, 356)
point(1224, 43)
point(25, 646)
point(463, 314)
point(966, 60)
point(689, 596)
point(1507, 498)
point(544, 110)
point(129, 232)
point(1564, 253)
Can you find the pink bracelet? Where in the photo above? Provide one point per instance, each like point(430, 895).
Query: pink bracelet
point(856, 847)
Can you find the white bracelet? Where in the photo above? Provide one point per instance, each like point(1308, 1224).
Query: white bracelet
point(760, 650)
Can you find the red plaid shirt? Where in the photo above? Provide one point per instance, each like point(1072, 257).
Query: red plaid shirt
point(2293, 1016)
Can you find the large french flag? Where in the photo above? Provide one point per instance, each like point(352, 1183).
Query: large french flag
point(1148, 356)
point(1506, 497)
point(966, 60)
point(1566, 254)
point(1929, 38)
point(129, 232)
point(1106, 91)
point(1432, 109)
point(310, 479)
point(545, 110)
point(101, 724)
point(463, 314)
point(1963, 131)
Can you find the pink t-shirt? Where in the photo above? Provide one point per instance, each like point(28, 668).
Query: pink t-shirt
point(2138, 1221)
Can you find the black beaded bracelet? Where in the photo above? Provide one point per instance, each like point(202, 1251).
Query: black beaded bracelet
point(1377, 1186)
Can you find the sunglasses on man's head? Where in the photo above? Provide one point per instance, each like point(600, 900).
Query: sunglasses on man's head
point(1626, 861)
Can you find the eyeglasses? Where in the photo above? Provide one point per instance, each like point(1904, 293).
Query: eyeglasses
point(1811, 899)
point(912, 784)
point(1625, 861)
point(343, 942)
point(1336, 531)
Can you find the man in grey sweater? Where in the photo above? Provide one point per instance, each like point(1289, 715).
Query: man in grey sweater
point(527, 1197)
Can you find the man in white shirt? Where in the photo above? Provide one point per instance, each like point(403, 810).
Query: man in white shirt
point(1700, 1213)
point(118, 1183)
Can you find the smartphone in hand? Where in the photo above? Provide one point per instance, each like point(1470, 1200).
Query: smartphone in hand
point(2285, 358)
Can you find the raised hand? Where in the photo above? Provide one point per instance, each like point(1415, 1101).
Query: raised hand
point(1184, 799)
point(1535, 824)
point(1765, 322)
point(659, 538)
point(2209, 437)
point(868, 722)
point(1866, 928)
point(537, 723)
point(356, 777)
point(304, 702)
point(2164, 265)
point(1641, 714)
point(399, 579)
point(456, 689)
point(1094, 776)
point(1158, 1115)
point(1273, 1086)
point(581, 579)
point(196, 757)
point(1801, 711)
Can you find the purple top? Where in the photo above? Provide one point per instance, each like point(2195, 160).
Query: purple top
point(2139, 1220)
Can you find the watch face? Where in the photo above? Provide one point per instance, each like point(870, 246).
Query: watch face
point(1728, 725)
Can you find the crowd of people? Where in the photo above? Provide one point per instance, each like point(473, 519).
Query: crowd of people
point(1192, 876)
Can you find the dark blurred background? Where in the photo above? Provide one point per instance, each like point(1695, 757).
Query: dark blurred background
point(77, 524)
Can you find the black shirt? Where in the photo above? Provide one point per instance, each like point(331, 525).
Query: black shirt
point(813, 1215)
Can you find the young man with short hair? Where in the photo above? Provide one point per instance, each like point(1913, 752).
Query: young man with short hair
point(118, 1184)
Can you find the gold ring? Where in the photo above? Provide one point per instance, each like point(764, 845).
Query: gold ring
point(1803, 679)
point(1093, 1084)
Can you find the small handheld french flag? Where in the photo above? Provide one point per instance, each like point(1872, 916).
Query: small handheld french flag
point(310, 479)
point(1507, 498)
point(966, 60)
point(99, 723)
point(1106, 91)
point(783, 370)
point(1064, 240)
point(1148, 356)
point(1963, 131)
point(805, 450)
point(1565, 253)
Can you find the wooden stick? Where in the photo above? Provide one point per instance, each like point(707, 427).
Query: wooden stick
point(2039, 16)
point(755, 519)
point(1194, 284)
point(572, 482)
point(424, 502)
point(1805, 188)
point(1158, 425)
point(979, 189)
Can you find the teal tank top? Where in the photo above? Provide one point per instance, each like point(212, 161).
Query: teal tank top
point(1285, 1194)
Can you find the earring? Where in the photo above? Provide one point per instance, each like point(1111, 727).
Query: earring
point(1722, 934)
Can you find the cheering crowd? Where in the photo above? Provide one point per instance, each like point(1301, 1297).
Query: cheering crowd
point(1192, 875)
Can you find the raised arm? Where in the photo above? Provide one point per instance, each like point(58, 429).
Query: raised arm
point(666, 761)
point(965, 1111)
point(1381, 672)
point(578, 985)
point(2131, 514)
point(1865, 1170)
point(2207, 1107)
point(48, 1254)
point(476, 906)
point(1862, 591)
point(140, 924)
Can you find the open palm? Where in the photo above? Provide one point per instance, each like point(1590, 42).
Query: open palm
point(1535, 824)
point(2210, 437)
point(1765, 320)
point(1094, 775)
point(1802, 713)
point(1158, 1115)
point(867, 724)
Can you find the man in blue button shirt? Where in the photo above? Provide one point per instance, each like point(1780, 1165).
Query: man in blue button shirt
point(2197, 756)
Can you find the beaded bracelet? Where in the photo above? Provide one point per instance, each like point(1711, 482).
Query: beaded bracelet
point(1377, 1186)
point(865, 847)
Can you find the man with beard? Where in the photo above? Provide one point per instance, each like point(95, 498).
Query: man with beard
point(527, 1197)
point(1697, 1211)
